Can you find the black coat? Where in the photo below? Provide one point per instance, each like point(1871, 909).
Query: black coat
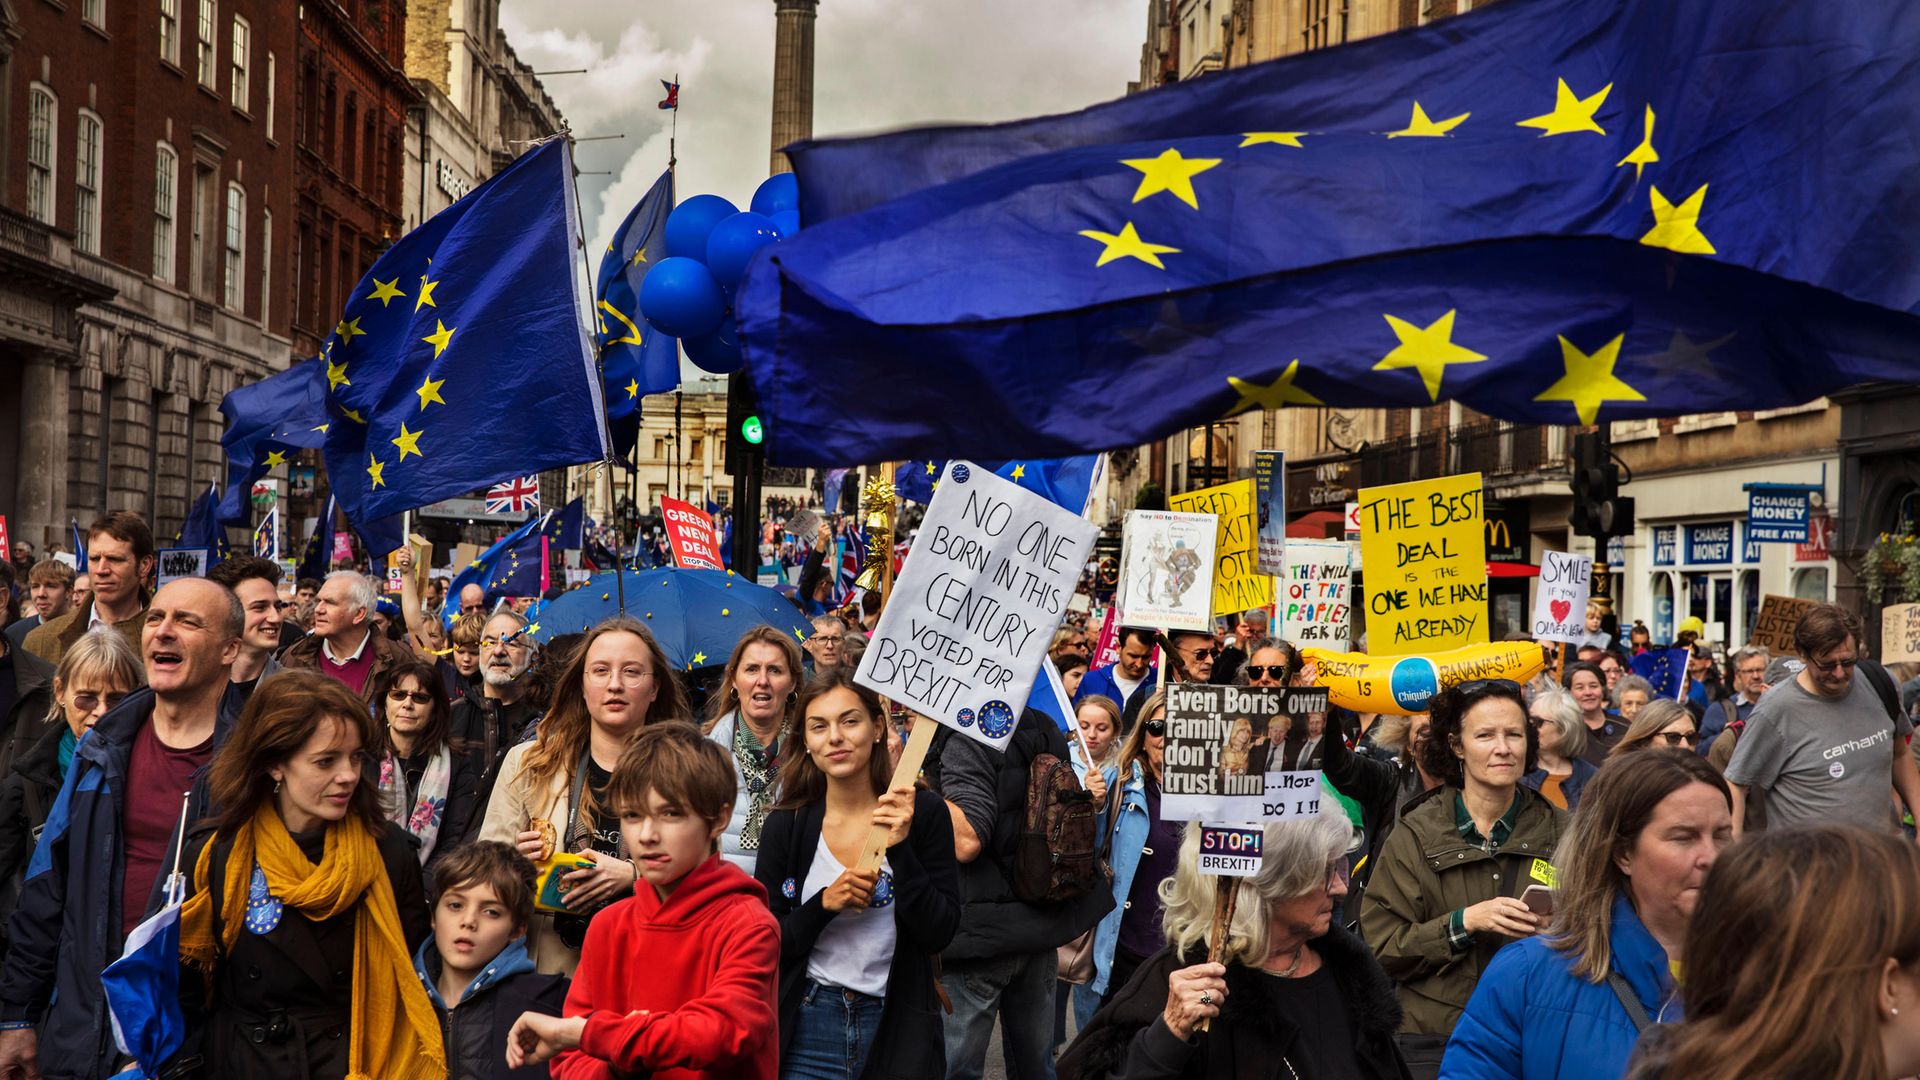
point(482, 731)
point(281, 1001)
point(1250, 1040)
point(926, 884)
point(31, 715)
point(26, 796)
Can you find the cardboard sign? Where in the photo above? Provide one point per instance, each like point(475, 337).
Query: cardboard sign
point(1227, 753)
point(1238, 583)
point(1270, 490)
point(1230, 851)
point(1773, 626)
point(1166, 570)
point(974, 608)
point(690, 534)
point(1316, 592)
point(1424, 544)
point(177, 563)
point(1900, 633)
point(1560, 603)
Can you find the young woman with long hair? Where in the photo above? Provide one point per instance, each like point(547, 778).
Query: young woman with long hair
point(856, 979)
point(305, 904)
point(749, 718)
point(551, 795)
point(425, 788)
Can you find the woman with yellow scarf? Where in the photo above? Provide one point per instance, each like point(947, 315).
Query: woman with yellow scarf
point(305, 904)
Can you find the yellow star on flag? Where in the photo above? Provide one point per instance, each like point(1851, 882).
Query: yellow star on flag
point(408, 442)
point(430, 392)
point(1677, 228)
point(1170, 173)
point(385, 291)
point(1643, 155)
point(426, 293)
point(1127, 244)
point(1019, 471)
point(348, 330)
point(337, 375)
point(633, 389)
point(275, 457)
point(1274, 138)
point(699, 658)
point(1570, 113)
point(1281, 392)
point(353, 415)
point(374, 469)
point(930, 468)
point(1423, 128)
point(1427, 350)
point(1590, 380)
point(442, 334)
point(322, 429)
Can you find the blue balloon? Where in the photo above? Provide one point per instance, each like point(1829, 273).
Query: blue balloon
point(680, 298)
point(732, 243)
point(778, 192)
point(692, 220)
point(718, 352)
point(787, 221)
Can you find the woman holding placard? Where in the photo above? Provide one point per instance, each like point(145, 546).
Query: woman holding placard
point(1293, 993)
point(856, 978)
point(1446, 894)
point(1144, 852)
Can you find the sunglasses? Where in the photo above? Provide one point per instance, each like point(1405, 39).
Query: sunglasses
point(1834, 665)
point(1156, 728)
point(418, 697)
point(1677, 738)
point(1262, 671)
point(1202, 654)
point(87, 702)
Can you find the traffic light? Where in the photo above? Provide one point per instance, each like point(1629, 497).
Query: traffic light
point(745, 460)
point(744, 427)
point(1598, 509)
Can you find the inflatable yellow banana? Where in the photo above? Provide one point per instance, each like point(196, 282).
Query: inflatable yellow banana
point(1405, 684)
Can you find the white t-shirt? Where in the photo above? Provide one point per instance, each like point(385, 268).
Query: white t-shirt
point(1127, 686)
point(855, 951)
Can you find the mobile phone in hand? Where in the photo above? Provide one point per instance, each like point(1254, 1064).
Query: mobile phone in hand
point(1539, 900)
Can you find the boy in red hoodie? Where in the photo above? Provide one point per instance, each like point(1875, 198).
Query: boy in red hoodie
point(680, 980)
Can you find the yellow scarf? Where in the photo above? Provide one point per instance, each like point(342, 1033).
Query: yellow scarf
point(392, 1039)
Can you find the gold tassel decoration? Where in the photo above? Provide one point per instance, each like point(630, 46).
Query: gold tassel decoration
point(877, 503)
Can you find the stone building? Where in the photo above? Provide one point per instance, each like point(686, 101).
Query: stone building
point(146, 197)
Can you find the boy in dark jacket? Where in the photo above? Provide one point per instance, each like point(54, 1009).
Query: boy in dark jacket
point(475, 966)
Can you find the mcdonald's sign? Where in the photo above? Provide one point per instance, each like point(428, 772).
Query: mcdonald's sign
point(1508, 534)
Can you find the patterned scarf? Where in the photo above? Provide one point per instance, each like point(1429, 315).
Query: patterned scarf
point(429, 805)
point(395, 1031)
point(759, 768)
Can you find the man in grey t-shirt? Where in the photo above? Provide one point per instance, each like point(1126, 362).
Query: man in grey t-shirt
point(1821, 749)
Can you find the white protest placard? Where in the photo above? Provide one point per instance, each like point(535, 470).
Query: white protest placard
point(1232, 753)
point(972, 612)
point(177, 563)
point(1166, 570)
point(1560, 601)
point(1315, 594)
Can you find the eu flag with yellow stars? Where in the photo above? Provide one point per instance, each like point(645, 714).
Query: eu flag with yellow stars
point(463, 357)
point(635, 359)
point(1553, 211)
point(267, 422)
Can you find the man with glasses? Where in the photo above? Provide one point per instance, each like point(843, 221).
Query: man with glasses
point(256, 581)
point(1749, 678)
point(828, 645)
point(1197, 651)
point(1824, 748)
point(497, 708)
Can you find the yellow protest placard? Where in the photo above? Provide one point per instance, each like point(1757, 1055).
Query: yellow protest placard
point(1238, 584)
point(1424, 546)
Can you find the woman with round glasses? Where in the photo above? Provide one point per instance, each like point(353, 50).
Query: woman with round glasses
point(1660, 725)
point(1446, 895)
point(425, 788)
point(1297, 995)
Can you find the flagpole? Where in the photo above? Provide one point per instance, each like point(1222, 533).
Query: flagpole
point(179, 844)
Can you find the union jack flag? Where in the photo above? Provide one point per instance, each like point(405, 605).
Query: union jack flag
point(672, 100)
point(853, 554)
point(520, 496)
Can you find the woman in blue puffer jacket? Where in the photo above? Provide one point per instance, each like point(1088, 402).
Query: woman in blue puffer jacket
point(1571, 1004)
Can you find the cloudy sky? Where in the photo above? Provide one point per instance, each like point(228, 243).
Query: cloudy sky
point(879, 64)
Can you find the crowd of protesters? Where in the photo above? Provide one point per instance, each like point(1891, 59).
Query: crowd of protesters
point(415, 844)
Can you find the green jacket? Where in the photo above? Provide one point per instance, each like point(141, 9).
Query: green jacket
point(1427, 871)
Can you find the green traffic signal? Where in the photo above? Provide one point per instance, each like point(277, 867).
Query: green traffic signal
point(751, 430)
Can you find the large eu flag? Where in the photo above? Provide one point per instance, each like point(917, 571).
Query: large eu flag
point(1554, 211)
point(462, 358)
point(636, 360)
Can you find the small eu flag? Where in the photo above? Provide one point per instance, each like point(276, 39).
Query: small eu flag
point(514, 566)
point(635, 359)
point(202, 527)
point(468, 329)
point(266, 422)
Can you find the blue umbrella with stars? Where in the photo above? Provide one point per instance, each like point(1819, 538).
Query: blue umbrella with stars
point(697, 616)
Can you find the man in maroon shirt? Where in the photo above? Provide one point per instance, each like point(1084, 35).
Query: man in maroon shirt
point(71, 920)
point(344, 646)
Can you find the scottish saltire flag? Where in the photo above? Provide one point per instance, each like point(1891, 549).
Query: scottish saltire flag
point(636, 359)
point(463, 357)
point(515, 565)
point(267, 422)
point(143, 986)
point(1553, 211)
point(202, 527)
point(79, 546)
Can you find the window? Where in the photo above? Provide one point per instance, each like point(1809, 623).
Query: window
point(42, 126)
point(86, 184)
point(94, 11)
point(266, 266)
point(242, 46)
point(166, 176)
point(347, 136)
point(170, 31)
point(203, 49)
point(205, 191)
point(235, 292)
point(270, 73)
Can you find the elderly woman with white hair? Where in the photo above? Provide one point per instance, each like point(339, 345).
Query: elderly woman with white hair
point(1294, 995)
point(1562, 772)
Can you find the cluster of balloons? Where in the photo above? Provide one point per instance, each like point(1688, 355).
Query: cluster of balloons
point(689, 294)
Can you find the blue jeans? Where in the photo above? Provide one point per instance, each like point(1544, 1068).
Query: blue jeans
point(1018, 990)
point(832, 1034)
